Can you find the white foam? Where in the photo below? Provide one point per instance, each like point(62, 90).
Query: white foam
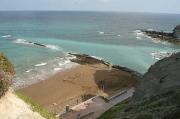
point(150, 29)
point(25, 42)
point(22, 41)
point(160, 55)
point(138, 37)
point(6, 36)
point(64, 63)
point(42, 71)
point(41, 64)
point(119, 35)
point(53, 47)
point(101, 32)
point(139, 33)
point(29, 70)
point(57, 69)
point(99, 58)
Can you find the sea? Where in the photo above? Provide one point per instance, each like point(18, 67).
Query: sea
point(115, 37)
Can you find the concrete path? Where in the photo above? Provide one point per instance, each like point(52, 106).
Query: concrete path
point(94, 107)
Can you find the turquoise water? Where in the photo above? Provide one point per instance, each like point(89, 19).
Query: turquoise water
point(111, 36)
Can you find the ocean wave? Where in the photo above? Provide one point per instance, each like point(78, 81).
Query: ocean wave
point(43, 70)
point(160, 55)
point(22, 41)
point(141, 36)
point(99, 58)
point(57, 69)
point(101, 32)
point(138, 38)
point(41, 64)
point(25, 42)
point(6, 36)
point(54, 47)
point(150, 29)
point(155, 40)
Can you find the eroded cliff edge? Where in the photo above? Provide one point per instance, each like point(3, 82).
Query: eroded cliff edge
point(12, 107)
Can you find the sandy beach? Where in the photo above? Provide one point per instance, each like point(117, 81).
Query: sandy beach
point(72, 86)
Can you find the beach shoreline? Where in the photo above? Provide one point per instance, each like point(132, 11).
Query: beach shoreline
point(72, 86)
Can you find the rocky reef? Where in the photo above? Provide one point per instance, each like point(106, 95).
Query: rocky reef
point(157, 94)
point(6, 74)
point(173, 37)
point(86, 59)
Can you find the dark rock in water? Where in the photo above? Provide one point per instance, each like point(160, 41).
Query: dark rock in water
point(169, 37)
point(163, 75)
point(176, 32)
point(38, 44)
point(86, 59)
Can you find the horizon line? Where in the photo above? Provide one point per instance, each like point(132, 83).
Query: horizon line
point(100, 11)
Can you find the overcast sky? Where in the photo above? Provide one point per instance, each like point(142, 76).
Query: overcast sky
point(156, 6)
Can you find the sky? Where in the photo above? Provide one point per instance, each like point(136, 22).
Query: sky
point(154, 6)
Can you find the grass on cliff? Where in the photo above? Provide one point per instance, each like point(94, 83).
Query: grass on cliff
point(163, 106)
point(6, 65)
point(111, 113)
point(35, 107)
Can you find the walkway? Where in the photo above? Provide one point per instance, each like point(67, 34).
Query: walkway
point(94, 107)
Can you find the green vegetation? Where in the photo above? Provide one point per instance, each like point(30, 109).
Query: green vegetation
point(163, 106)
point(35, 107)
point(6, 65)
point(6, 73)
point(111, 113)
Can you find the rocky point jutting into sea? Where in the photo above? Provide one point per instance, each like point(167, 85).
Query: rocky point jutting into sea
point(173, 37)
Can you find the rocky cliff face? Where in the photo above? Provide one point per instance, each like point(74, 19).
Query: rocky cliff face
point(157, 95)
point(163, 75)
point(176, 32)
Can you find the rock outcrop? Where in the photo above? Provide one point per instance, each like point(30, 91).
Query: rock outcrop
point(86, 59)
point(157, 95)
point(176, 32)
point(173, 37)
point(162, 76)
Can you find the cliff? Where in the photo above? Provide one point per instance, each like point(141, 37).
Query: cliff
point(157, 94)
point(6, 74)
point(12, 107)
point(163, 75)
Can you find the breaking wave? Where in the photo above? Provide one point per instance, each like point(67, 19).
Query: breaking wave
point(43, 70)
point(160, 55)
point(25, 42)
point(6, 36)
